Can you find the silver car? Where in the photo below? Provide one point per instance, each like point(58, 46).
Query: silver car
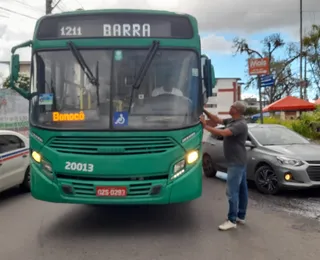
point(278, 158)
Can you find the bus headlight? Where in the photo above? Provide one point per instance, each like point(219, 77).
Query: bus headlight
point(178, 169)
point(179, 166)
point(36, 156)
point(47, 169)
point(192, 157)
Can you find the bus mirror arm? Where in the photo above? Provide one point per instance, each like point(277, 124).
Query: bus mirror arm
point(15, 69)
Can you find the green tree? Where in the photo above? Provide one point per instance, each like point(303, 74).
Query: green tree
point(286, 82)
point(311, 43)
point(2, 79)
point(251, 111)
point(23, 82)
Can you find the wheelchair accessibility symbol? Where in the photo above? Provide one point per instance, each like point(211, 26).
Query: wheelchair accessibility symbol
point(120, 118)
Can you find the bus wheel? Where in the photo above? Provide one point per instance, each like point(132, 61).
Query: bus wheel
point(208, 168)
point(26, 184)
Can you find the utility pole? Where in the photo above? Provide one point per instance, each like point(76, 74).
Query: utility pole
point(305, 95)
point(260, 99)
point(301, 47)
point(48, 6)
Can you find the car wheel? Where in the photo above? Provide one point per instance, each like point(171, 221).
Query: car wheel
point(26, 184)
point(266, 180)
point(207, 165)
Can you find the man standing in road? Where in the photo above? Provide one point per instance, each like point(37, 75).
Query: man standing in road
point(235, 135)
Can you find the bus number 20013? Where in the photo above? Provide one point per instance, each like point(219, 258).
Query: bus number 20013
point(83, 167)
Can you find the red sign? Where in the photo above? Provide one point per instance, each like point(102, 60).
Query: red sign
point(111, 191)
point(258, 66)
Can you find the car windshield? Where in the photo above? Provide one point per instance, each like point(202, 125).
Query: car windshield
point(277, 136)
point(65, 98)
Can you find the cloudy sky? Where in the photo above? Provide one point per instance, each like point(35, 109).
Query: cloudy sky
point(219, 20)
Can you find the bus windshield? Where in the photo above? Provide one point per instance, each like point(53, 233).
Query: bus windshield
point(168, 96)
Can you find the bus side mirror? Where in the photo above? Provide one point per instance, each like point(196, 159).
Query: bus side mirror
point(208, 77)
point(213, 77)
point(15, 68)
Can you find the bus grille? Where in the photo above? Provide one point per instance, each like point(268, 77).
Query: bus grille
point(111, 145)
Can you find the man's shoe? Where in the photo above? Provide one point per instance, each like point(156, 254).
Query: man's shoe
point(241, 221)
point(227, 225)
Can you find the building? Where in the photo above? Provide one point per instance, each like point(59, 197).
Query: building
point(252, 103)
point(24, 66)
point(226, 92)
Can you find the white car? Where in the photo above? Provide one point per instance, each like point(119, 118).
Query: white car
point(14, 161)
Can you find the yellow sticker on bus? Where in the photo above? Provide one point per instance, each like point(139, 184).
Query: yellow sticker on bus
point(57, 116)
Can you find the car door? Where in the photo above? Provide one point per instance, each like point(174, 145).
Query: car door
point(216, 152)
point(13, 160)
point(251, 158)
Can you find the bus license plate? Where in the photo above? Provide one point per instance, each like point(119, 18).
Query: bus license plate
point(111, 191)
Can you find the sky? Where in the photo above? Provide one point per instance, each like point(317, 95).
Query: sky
point(220, 21)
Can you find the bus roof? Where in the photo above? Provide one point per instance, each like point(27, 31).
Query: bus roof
point(51, 27)
point(97, 11)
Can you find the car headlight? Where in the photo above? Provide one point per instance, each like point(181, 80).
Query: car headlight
point(289, 161)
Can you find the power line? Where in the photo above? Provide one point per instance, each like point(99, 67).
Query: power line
point(62, 6)
point(56, 4)
point(50, 6)
point(14, 12)
point(27, 5)
point(80, 4)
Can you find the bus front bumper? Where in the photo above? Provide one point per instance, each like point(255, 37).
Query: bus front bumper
point(186, 187)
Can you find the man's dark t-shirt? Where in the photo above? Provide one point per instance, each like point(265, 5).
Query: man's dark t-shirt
point(234, 146)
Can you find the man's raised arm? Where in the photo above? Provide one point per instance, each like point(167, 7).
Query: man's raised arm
point(213, 118)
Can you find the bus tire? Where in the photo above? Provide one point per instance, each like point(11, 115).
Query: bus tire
point(26, 184)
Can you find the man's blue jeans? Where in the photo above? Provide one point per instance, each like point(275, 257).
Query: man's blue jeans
point(237, 192)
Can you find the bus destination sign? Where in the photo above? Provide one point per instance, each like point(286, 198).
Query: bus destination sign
point(115, 25)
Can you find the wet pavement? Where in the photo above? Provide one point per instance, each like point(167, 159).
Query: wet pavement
point(279, 227)
point(304, 203)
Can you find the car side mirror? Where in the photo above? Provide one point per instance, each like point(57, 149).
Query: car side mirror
point(249, 144)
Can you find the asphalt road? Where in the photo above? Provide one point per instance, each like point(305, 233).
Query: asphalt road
point(35, 230)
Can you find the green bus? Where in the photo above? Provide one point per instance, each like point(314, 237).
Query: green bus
point(115, 100)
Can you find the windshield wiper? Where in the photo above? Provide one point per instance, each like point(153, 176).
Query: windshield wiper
point(143, 69)
point(94, 80)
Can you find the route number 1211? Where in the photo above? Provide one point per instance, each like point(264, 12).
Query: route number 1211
point(70, 31)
